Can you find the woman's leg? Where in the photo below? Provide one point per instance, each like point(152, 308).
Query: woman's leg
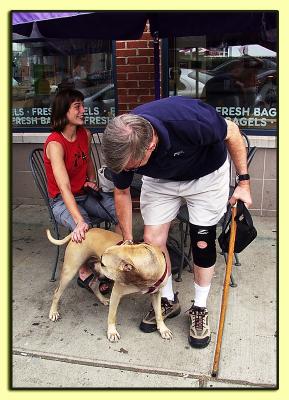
point(64, 218)
point(104, 208)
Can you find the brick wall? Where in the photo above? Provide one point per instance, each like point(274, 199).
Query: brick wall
point(135, 72)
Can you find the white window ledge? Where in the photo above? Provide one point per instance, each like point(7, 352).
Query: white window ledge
point(267, 142)
point(34, 137)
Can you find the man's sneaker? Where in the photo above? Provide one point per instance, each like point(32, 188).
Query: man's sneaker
point(170, 309)
point(200, 334)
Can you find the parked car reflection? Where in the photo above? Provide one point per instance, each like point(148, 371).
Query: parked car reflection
point(247, 82)
point(232, 83)
point(103, 99)
point(267, 89)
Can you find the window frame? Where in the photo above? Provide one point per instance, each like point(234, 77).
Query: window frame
point(248, 131)
point(39, 129)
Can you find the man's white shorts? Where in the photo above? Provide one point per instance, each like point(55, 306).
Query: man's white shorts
point(206, 198)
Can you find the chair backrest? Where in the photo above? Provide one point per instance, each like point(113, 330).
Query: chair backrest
point(136, 184)
point(250, 155)
point(250, 150)
point(36, 162)
point(95, 153)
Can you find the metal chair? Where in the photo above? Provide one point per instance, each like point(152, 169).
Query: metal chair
point(136, 184)
point(184, 224)
point(95, 154)
point(36, 163)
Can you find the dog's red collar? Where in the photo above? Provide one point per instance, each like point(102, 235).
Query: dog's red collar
point(154, 288)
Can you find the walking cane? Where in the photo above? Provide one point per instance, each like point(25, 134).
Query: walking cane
point(225, 291)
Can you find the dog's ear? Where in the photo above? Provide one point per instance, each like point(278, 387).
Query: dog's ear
point(126, 265)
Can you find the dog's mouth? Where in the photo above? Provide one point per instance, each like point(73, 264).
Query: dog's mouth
point(102, 264)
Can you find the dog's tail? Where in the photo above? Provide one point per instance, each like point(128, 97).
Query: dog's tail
point(55, 241)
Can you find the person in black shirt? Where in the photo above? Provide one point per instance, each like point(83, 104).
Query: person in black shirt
point(180, 147)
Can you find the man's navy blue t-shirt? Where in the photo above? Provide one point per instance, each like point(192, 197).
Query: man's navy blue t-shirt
point(191, 140)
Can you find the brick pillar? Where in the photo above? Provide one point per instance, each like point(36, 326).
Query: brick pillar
point(135, 72)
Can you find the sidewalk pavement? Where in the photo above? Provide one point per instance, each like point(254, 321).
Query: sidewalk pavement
point(74, 352)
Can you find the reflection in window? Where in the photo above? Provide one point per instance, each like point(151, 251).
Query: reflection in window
point(239, 81)
point(41, 69)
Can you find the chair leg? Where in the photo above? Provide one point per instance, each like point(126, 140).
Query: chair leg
point(107, 225)
point(55, 228)
point(233, 283)
point(179, 277)
point(190, 255)
point(186, 233)
point(237, 261)
point(52, 279)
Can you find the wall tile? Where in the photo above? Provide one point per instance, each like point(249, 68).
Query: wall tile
point(24, 186)
point(20, 155)
point(256, 190)
point(271, 164)
point(269, 195)
point(256, 168)
point(256, 213)
point(268, 213)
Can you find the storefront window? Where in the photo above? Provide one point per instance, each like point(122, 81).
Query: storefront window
point(239, 81)
point(41, 69)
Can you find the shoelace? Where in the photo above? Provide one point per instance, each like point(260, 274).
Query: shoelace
point(198, 316)
point(164, 307)
point(166, 304)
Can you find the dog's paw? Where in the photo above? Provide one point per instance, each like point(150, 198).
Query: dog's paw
point(54, 316)
point(112, 334)
point(104, 301)
point(166, 334)
point(113, 337)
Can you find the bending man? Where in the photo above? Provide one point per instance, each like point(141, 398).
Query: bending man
point(180, 147)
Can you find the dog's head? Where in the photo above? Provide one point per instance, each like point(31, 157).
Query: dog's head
point(140, 264)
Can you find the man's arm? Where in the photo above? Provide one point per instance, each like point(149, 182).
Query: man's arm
point(237, 150)
point(123, 207)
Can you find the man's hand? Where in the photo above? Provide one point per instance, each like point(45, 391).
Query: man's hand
point(78, 234)
point(242, 192)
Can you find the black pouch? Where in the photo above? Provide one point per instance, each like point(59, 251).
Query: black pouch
point(94, 193)
point(245, 232)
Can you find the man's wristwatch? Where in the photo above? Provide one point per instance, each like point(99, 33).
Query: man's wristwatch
point(128, 241)
point(244, 177)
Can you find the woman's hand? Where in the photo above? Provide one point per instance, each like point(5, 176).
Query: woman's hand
point(93, 185)
point(78, 234)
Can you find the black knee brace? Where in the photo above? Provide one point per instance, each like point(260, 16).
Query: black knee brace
point(203, 240)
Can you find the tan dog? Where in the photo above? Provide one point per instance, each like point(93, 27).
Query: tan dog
point(133, 268)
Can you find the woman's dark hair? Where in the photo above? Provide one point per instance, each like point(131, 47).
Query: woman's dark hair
point(60, 107)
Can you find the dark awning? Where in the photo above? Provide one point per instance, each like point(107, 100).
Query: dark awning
point(231, 27)
point(235, 27)
point(218, 27)
point(111, 25)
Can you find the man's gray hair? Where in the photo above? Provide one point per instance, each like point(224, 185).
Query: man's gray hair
point(125, 138)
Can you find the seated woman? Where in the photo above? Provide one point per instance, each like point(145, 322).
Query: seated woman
point(69, 169)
